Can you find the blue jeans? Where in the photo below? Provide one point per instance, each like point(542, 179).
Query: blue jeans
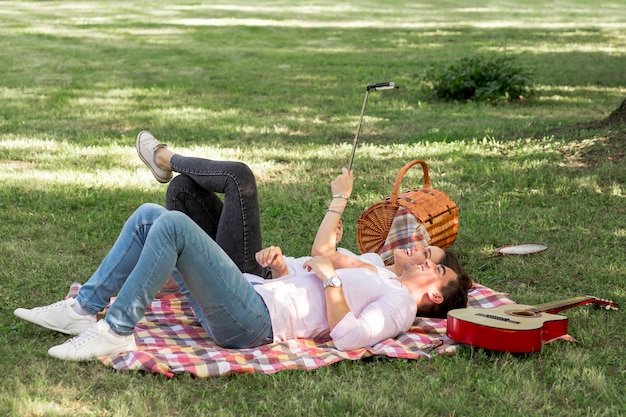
point(234, 222)
point(151, 244)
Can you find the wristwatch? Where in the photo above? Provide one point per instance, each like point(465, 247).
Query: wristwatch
point(333, 281)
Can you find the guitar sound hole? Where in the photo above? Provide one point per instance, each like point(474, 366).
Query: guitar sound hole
point(523, 313)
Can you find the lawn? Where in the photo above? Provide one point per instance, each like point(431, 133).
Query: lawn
point(279, 85)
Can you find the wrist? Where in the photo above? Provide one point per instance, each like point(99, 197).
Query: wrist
point(337, 206)
point(333, 281)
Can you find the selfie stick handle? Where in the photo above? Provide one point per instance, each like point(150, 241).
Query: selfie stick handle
point(358, 129)
point(378, 86)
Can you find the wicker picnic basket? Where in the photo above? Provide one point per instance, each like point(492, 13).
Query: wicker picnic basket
point(433, 208)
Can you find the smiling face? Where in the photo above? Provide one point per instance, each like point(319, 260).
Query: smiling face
point(429, 273)
point(417, 255)
point(435, 288)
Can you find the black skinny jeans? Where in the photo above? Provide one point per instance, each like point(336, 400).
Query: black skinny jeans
point(234, 222)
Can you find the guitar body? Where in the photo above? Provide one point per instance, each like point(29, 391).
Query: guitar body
point(515, 328)
point(508, 328)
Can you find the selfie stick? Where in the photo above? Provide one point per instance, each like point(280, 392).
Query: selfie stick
point(377, 86)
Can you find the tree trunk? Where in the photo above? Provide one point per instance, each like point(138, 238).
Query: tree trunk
point(617, 117)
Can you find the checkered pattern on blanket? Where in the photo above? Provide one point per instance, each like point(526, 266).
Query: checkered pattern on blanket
point(170, 341)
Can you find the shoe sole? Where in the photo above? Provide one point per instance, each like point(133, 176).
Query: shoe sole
point(145, 161)
point(64, 355)
point(95, 346)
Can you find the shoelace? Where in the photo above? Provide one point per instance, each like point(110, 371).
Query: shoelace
point(88, 335)
point(149, 145)
point(58, 304)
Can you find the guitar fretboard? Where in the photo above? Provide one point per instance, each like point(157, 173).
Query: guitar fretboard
point(560, 305)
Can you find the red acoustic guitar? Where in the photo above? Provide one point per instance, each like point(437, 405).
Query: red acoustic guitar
point(514, 328)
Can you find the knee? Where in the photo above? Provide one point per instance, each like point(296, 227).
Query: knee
point(243, 175)
point(179, 184)
point(149, 210)
point(173, 219)
point(242, 172)
point(147, 213)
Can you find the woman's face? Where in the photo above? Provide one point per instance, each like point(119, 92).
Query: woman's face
point(417, 255)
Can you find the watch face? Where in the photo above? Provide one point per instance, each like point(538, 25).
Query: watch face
point(335, 282)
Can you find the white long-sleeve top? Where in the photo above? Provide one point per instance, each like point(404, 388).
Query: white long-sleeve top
point(380, 307)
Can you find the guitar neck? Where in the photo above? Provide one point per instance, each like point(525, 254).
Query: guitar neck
point(556, 306)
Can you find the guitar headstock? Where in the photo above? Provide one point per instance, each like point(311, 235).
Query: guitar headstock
point(607, 304)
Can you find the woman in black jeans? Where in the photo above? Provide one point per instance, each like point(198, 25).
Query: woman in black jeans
point(195, 194)
point(233, 223)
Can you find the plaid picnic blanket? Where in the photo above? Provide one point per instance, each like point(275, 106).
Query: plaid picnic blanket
point(170, 341)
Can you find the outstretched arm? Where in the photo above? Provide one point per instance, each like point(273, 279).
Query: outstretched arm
point(325, 243)
point(341, 260)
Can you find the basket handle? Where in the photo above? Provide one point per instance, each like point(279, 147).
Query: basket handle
point(396, 185)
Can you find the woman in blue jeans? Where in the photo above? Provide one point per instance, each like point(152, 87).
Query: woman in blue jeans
point(152, 242)
point(357, 306)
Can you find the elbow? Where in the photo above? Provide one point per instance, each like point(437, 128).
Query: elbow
point(322, 251)
point(343, 346)
point(350, 341)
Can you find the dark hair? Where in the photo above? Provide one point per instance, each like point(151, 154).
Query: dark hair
point(451, 261)
point(454, 293)
point(454, 296)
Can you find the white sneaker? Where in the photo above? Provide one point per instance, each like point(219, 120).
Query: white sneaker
point(95, 343)
point(147, 145)
point(59, 316)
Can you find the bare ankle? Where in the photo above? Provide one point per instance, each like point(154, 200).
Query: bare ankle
point(162, 157)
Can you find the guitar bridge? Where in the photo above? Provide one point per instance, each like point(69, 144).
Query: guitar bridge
point(501, 318)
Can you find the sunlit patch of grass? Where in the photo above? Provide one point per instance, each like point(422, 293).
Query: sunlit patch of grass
point(280, 86)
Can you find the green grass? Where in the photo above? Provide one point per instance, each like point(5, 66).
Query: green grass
point(279, 85)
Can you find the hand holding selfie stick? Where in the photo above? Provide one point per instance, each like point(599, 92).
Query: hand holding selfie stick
point(377, 86)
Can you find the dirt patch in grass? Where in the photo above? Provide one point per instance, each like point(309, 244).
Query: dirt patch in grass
point(590, 152)
point(608, 147)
